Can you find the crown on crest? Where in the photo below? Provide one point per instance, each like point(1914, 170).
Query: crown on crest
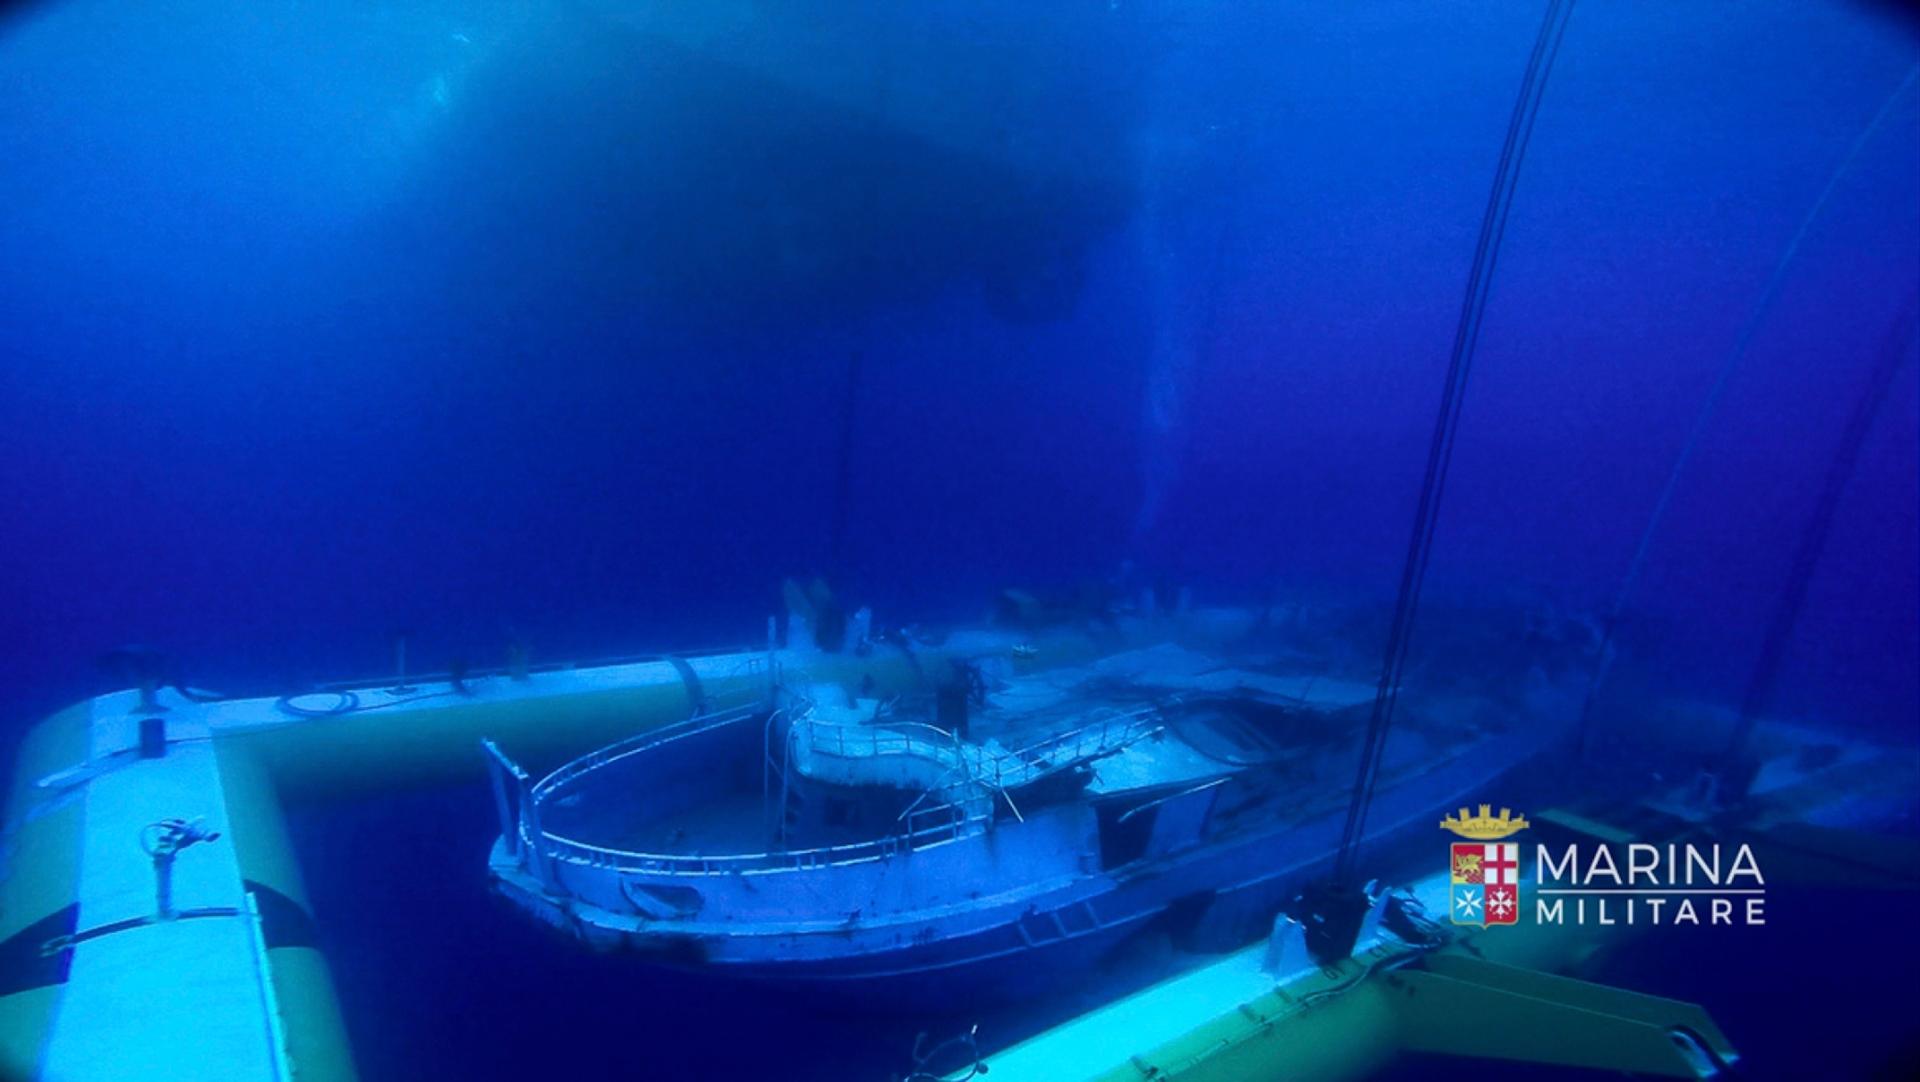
point(1484, 827)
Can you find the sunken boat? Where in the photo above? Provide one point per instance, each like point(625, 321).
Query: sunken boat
point(1004, 824)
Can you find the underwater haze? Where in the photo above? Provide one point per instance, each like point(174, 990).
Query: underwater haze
point(583, 324)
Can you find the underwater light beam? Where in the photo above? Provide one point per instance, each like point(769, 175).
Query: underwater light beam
point(1181, 326)
point(1170, 359)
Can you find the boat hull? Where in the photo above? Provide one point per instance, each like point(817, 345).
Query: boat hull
point(1216, 896)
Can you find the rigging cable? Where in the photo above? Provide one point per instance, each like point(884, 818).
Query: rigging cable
point(1610, 624)
point(1813, 542)
point(1526, 107)
point(839, 572)
point(843, 475)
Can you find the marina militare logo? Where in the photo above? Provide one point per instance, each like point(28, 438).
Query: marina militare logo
point(1485, 870)
point(1604, 882)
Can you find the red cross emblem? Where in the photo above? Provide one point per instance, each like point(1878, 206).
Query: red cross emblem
point(1486, 883)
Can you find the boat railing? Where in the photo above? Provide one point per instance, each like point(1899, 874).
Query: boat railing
point(653, 738)
point(861, 739)
point(919, 826)
point(1113, 730)
point(520, 804)
point(929, 826)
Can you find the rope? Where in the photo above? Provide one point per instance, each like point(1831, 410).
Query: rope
point(1701, 420)
point(1526, 107)
point(1813, 541)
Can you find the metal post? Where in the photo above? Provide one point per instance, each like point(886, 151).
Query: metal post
point(500, 767)
point(400, 684)
point(163, 885)
point(149, 696)
point(536, 855)
point(153, 737)
point(162, 840)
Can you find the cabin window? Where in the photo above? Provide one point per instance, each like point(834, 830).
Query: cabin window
point(1124, 837)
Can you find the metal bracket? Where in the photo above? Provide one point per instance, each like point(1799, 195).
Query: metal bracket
point(1455, 1004)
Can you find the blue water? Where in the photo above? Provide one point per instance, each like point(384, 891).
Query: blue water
point(519, 320)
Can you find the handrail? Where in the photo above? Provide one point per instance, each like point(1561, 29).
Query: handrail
point(929, 826)
point(612, 753)
point(1087, 741)
point(891, 738)
point(573, 851)
point(923, 827)
point(1189, 791)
